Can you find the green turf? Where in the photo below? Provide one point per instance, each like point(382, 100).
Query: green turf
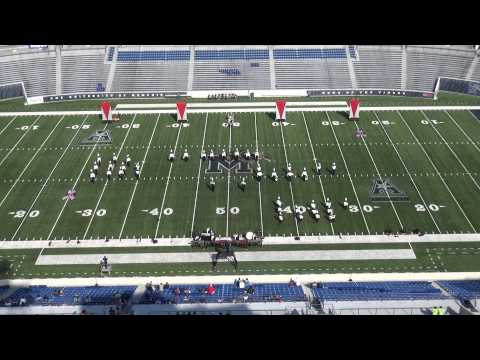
point(430, 257)
point(405, 143)
point(173, 200)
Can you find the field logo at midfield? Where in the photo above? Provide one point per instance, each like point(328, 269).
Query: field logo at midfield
point(98, 137)
point(218, 165)
point(386, 190)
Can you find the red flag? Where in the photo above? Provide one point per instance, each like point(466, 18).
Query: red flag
point(354, 108)
point(106, 111)
point(281, 105)
point(181, 111)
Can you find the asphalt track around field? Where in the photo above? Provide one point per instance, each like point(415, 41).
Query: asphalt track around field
point(257, 256)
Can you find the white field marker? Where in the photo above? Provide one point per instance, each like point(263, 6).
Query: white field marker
point(408, 172)
point(348, 173)
point(198, 176)
point(315, 159)
point(438, 172)
point(168, 181)
point(106, 182)
point(136, 182)
point(381, 179)
point(259, 186)
point(33, 158)
point(48, 178)
point(74, 186)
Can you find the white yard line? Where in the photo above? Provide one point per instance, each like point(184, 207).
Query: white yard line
point(19, 140)
point(198, 176)
point(436, 170)
point(463, 132)
point(74, 186)
point(106, 182)
point(228, 177)
point(315, 160)
point(381, 179)
point(290, 181)
point(168, 182)
point(48, 178)
point(259, 186)
point(6, 127)
point(33, 158)
point(137, 180)
point(408, 172)
point(348, 173)
point(451, 150)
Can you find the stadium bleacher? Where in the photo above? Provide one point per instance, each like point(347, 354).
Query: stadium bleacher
point(393, 290)
point(462, 289)
point(151, 70)
point(82, 72)
point(224, 293)
point(231, 69)
point(183, 68)
point(86, 295)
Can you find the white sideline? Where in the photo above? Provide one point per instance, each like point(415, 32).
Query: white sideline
point(247, 110)
point(269, 240)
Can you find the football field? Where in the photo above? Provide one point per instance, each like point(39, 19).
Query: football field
point(411, 172)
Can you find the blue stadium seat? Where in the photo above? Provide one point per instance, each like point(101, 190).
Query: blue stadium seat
point(286, 54)
point(247, 54)
point(161, 55)
point(462, 289)
point(393, 290)
point(86, 295)
point(225, 293)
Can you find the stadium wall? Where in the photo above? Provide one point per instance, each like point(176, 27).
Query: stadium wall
point(239, 93)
